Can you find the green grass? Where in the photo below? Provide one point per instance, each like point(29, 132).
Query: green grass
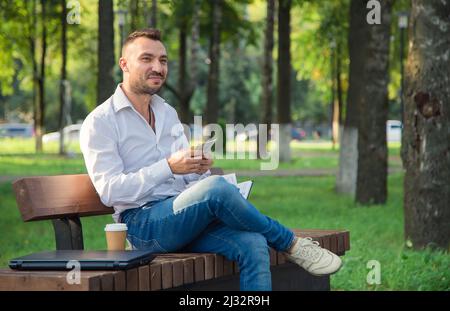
point(297, 202)
point(17, 157)
point(27, 146)
point(40, 164)
point(376, 232)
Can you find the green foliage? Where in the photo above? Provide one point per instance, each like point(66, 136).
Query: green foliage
point(314, 24)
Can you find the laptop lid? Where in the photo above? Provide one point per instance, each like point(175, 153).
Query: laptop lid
point(89, 260)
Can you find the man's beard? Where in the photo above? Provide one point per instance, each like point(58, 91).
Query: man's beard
point(141, 87)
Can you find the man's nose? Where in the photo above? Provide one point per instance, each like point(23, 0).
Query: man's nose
point(156, 66)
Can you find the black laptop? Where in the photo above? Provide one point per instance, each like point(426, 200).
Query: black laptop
point(89, 260)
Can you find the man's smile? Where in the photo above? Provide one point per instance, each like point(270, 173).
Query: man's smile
point(155, 79)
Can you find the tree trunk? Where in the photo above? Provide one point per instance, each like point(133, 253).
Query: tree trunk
point(40, 113)
point(371, 183)
point(134, 12)
point(284, 81)
point(339, 83)
point(153, 14)
point(334, 101)
point(267, 72)
point(62, 100)
point(212, 105)
point(348, 151)
point(32, 42)
point(426, 137)
point(106, 61)
point(195, 46)
point(182, 78)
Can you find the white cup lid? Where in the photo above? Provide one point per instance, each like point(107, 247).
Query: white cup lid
point(116, 227)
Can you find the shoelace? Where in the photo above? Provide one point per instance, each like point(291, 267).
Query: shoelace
point(310, 250)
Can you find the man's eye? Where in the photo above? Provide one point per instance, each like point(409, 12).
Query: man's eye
point(163, 61)
point(146, 59)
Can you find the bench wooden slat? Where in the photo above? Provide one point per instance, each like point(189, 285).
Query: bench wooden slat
point(166, 274)
point(144, 278)
point(132, 276)
point(218, 265)
point(347, 241)
point(120, 281)
point(188, 270)
point(199, 269)
point(155, 275)
point(209, 266)
point(326, 243)
point(177, 270)
point(340, 244)
point(50, 197)
point(333, 243)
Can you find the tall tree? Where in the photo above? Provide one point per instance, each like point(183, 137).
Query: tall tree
point(426, 137)
point(186, 15)
point(339, 91)
point(153, 14)
point(187, 83)
point(267, 72)
point(106, 61)
point(32, 38)
point(212, 104)
point(335, 104)
point(134, 14)
point(348, 151)
point(40, 109)
point(62, 98)
point(284, 79)
point(371, 182)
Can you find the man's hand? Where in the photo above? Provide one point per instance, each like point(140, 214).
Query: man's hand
point(188, 161)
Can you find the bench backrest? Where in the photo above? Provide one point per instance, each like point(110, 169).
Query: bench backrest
point(50, 197)
point(53, 197)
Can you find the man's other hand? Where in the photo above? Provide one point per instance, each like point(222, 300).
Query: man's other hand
point(187, 161)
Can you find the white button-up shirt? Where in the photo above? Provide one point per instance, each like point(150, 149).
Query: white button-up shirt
point(125, 159)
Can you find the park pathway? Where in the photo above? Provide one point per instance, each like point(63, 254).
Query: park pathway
point(316, 172)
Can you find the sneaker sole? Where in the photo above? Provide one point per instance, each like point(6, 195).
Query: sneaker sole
point(325, 274)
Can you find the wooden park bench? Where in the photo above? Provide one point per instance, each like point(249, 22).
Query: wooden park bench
point(66, 198)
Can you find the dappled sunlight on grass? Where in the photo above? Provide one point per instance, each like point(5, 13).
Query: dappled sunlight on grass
point(27, 146)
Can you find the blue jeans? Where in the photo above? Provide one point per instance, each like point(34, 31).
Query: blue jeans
point(211, 217)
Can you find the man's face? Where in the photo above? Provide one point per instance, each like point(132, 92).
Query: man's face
point(144, 63)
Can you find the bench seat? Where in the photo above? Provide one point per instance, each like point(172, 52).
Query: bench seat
point(183, 271)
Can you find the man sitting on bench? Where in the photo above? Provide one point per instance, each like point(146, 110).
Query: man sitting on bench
point(139, 161)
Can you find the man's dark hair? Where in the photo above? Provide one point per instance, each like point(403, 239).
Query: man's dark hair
point(150, 33)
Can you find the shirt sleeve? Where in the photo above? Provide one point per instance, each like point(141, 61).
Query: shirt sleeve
point(98, 143)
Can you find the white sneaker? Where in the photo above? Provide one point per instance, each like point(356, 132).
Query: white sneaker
point(313, 258)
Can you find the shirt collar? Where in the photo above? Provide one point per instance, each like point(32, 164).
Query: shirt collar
point(120, 100)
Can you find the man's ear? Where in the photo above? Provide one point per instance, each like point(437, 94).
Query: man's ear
point(123, 64)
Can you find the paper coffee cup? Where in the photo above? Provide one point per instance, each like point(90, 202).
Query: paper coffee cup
point(116, 235)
